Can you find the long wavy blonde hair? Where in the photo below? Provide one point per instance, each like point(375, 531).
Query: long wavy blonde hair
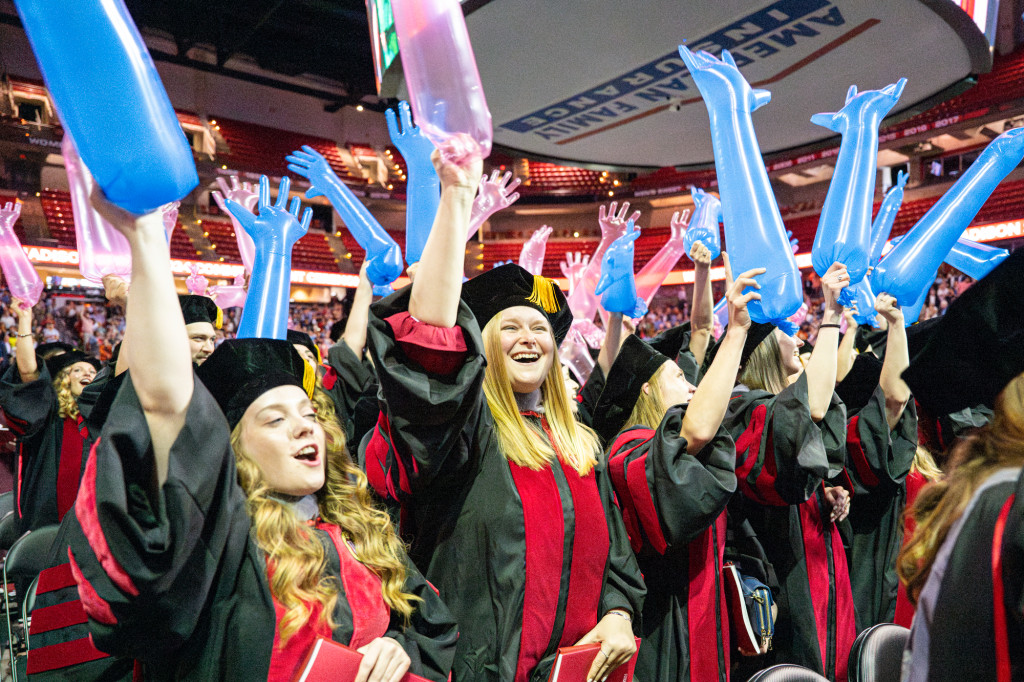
point(295, 554)
point(522, 442)
point(650, 407)
point(67, 406)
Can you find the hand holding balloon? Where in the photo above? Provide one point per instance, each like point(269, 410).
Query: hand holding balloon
point(423, 188)
point(531, 258)
point(888, 308)
point(494, 194)
point(241, 194)
point(739, 317)
point(616, 286)
point(833, 282)
point(22, 279)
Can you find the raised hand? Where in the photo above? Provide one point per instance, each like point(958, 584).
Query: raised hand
point(617, 286)
point(383, 256)
point(423, 188)
point(703, 227)
point(700, 255)
point(494, 194)
point(737, 301)
point(572, 267)
point(678, 224)
point(888, 308)
point(245, 195)
point(531, 258)
point(833, 282)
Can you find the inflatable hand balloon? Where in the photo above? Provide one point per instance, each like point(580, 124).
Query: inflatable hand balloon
point(102, 250)
point(844, 228)
point(495, 193)
point(707, 213)
point(383, 256)
point(423, 187)
point(912, 312)
point(245, 196)
point(973, 259)
point(195, 282)
point(94, 62)
point(22, 279)
point(617, 287)
point(274, 232)
point(591, 333)
point(652, 275)
point(382, 290)
point(531, 258)
point(230, 295)
point(441, 74)
point(574, 353)
point(904, 270)
point(800, 315)
point(169, 212)
point(583, 301)
point(499, 263)
point(572, 267)
point(720, 313)
point(864, 299)
point(882, 227)
point(794, 243)
point(754, 232)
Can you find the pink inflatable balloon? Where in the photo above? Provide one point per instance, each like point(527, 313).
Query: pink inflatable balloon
point(22, 279)
point(229, 295)
point(196, 283)
point(652, 275)
point(102, 250)
point(440, 71)
point(245, 195)
point(170, 216)
point(531, 258)
point(574, 353)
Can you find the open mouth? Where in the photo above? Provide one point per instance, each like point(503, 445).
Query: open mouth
point(309, 455)
point(526, 357)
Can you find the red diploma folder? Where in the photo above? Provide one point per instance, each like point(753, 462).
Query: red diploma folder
point(328, 661)
point(573, 663)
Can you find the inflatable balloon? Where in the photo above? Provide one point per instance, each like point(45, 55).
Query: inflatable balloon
point(617, 287)
point(864, 298)
point(973, 259)
point(110, 99)
point(531, 258)
point(653, 274)
point(794, 243)
point(800, 315)
point(22, 279)
point(912, 312)
point(274, 231)
point(169, 212)
point(882, 227)
point(102, 250)
point(721, 313)
point(495, 193)
point(241, 194)
point(383, 256)
point(195, 282)
point(844, 228)
point(382, 290)
point(572, 267)
point(707, 213)
point(229, 295)
point(591, 333)
point(583, 302)
point(754, 233)
point(904, 270)
point(574, 353)
point(441, 74)
point(423, 187)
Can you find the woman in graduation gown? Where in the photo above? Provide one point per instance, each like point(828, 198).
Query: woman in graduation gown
point(673, 469)
point(790, 445)
point(222, 549)
point(512, 520)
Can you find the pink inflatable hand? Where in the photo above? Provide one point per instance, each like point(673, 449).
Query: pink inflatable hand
point(245, 195)
point(170, 216)
point(653, 274)
point(22, 279)
point(591, 333)
point(677, 226)
point(572, 267)
point(231, 295)
point(196, 283)
point(495, 193)
point(584, 302)
point(531, 258)
point(102, 250)
point(574, 353)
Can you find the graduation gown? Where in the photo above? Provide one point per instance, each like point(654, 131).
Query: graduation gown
point(673, 504)
point(527, 560)
point(879, 460)
point(171, 578)
point(783, 459)
point(352, 385)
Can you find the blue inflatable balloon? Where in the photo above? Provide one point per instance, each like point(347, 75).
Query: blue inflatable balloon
point(904, 270)
point(754, 233)
point(882, 227)
point(912, 312)
point(974, 259)
point(617, 285)
point(274, 232)
point(844, 228)
point(110, 98)
point(383, 256)
point(423, 187)
point(703, 227)
point(864, 298)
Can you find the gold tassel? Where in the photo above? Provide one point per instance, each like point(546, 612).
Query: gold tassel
point(219, 322)
point(544, 294)
point(319, 356)
point(308, 378)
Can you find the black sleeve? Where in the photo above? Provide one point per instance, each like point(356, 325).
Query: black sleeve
point(27, 406)
point(879, 457)
point(349, 380)
point(431, 635)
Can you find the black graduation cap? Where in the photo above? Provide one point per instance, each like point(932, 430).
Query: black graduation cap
point(977, 347)
point(875, 338)
point(510, 285)
point(241, 370)
point(758, 332)
point(920, 333)
point(46, 350)
point(295, 337)
point(859, 384)
point(634, 366)
point(56, 363)
point(671, 341)
point(200, 309)
point(337, 329)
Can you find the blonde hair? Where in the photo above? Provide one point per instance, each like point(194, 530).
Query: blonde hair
point(67, 406)
point(297, 557)
point(763, 369)
point(521, 441)
point(924, 463)
point(650, 407)
point(938, 506)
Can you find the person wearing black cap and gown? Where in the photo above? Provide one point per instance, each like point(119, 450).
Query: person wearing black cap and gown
point(202, 320)
point(229, 529)
point(511, 517)
point(790, 445)
point(673, 468)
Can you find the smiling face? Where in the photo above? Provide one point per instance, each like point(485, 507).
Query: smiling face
point(201, 337)
point(281, 435)
point(789, 351)
point(81, 374)
point(527, 347)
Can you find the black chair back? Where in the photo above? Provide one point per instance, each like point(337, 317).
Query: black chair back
point(10, 530)
point(6, 502)
point(787, 672)
point(877, 654)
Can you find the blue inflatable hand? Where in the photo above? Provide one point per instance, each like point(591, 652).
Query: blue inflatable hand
point(703, 227)
point(274, 232)
point(754, 232)
point(617, 284)
point(973, 259)
point(794, 243)
point(110, 99)
point(844, 229)
point(864, 298)
point(912, 312)
point(881, 228)
point(383, 256)
point(423, 187)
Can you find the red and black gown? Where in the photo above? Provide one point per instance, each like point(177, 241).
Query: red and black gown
point(783, 459)
point(527, 560)
point(674, 507)
point(352, 385)
point(171, 578)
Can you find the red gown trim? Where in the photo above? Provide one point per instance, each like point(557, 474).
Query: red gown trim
point(69, 467)
point(62, 655)
point(855, 448)
point(439, 350)
point(1002, 640)
point(617, 471)
point(94, 605)
point(748, 448)
point(703, 601)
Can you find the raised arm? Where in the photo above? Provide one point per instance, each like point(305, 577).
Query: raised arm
point(897, 359)
point(702, 318)
point(25, 348)
point(847, 351)
point(354, 335)
point(821, 368)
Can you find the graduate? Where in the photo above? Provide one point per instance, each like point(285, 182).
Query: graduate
point(202, 320)
point(229, 529)
point(673, 468)
point(511, 516)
